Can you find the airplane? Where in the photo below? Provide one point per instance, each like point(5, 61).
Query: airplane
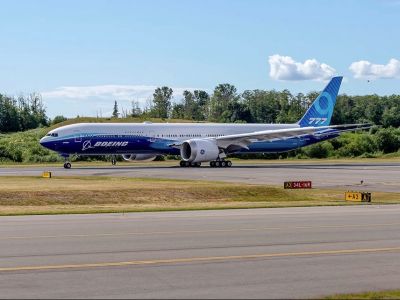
point(197, 143)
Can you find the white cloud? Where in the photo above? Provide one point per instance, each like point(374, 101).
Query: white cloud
point(368, 70)
point(286, 68)
point(118, 92)
point(90, 100)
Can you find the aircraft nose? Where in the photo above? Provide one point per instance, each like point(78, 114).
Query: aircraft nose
point(44, 142)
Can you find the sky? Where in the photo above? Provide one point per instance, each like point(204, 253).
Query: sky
point(83, 55)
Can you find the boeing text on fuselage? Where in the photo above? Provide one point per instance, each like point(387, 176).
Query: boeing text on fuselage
point(87, 144)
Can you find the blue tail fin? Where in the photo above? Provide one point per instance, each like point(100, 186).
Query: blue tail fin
point(320, 112)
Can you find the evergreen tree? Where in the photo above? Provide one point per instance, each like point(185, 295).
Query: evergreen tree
point(115, 112)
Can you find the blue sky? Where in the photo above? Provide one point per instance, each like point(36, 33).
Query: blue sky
point(81, 55)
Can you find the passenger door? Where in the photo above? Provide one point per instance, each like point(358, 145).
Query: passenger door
point(78, 137)
point(152, 136)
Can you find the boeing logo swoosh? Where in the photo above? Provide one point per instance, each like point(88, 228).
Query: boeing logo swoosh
point(87, 145)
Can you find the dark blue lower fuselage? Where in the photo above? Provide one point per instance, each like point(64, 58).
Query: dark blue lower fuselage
point(120, 144)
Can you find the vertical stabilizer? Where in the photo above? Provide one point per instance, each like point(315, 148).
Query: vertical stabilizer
point(321, 110)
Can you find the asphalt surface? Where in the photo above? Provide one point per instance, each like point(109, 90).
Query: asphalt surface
point(375, 176)
point(263, 253)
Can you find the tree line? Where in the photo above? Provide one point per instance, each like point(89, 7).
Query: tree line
point(22, 113)
point(226, 105)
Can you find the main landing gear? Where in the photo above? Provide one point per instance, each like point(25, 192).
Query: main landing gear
point(213, 164)
point(221, 164)
point(113, 160)
point(186, 164)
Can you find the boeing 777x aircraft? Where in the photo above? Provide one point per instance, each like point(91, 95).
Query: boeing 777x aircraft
point(199, 142)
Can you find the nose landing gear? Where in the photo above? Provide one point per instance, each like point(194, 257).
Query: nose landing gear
point(67, 164)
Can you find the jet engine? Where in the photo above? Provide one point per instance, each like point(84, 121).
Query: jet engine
point(198, 150)
point(136, 157)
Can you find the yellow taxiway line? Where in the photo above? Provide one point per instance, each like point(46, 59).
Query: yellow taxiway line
point(197, 259)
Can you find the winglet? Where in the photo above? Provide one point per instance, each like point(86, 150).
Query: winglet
point(320, 112)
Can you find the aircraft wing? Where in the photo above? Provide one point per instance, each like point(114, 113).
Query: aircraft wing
point(244, 139)
point(339, 129)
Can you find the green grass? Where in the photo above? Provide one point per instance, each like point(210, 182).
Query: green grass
point(392, 294)
point(35, 195)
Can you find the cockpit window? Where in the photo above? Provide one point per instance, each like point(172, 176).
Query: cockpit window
point(54, 134)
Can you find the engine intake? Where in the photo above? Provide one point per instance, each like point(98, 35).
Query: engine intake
point(198, 150)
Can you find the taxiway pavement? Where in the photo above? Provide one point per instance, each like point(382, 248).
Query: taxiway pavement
point(262, 253)
point(375, 176)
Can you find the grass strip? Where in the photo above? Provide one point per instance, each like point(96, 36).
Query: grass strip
point(391, 294)
point(89, 194)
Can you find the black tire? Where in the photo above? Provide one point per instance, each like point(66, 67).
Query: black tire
point(218, 164)
point(229, 164)
point(67, 165)
point(223, 164)
point(187, 164)
point(182, 163)
point(212, 164)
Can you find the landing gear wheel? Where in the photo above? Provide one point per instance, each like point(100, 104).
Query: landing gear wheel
point(113, 161)
point(67, 165)
point(220, 164)
point(182, 163)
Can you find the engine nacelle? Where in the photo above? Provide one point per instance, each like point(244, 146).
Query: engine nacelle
point(198, 150)
point(133, 157)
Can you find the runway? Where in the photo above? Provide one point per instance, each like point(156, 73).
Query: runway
point(263, 253)
point(377, 176)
